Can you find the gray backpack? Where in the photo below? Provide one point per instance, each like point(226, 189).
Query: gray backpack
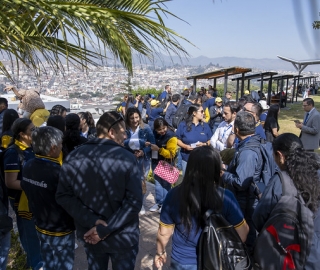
point(285, 240)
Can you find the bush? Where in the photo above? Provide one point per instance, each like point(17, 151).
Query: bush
point(17, 257)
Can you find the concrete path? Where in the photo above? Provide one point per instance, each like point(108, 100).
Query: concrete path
point(147, 245)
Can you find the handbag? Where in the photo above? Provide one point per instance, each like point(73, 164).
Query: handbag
point(167, 172)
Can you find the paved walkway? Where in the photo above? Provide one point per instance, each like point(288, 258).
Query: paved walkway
point(147, 244)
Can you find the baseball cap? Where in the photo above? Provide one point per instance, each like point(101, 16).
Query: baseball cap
point(154, 102)
point(264, 104)
point(152, 96)
point(246, 92)
point(218, 99)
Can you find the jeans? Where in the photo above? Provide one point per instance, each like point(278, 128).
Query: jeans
point(179, 159)
point(215, 126)
point(184, 167)
point(57, 251)
point(161, 187)
point(29, 240)
point(4, 250)
point(178, 266)
point(124, 260)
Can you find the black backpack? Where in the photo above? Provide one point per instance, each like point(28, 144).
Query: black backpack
point(180, 115)
point(220, 246)
point(285, 240)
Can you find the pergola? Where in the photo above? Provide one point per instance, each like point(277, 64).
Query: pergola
point(280, 79)
point(252, 77)
point(300, 65)
point(224, 72)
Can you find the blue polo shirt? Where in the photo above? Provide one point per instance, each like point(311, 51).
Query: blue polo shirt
point(198, 133)
point(155, 113)
point(163, 95)
point(184, 246)
point(260, 131)
point(208, 103)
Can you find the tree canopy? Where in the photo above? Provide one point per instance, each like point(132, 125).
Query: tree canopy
point(81, 32)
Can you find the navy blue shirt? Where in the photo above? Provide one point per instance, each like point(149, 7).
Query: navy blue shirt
point(200, 133)
point(170, 113)
point(184, 246)
point(208, 103)
point(260, 131)
point(163, 95)
point(155, 113)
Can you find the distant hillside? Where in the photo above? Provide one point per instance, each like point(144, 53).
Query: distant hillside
point(267, 64)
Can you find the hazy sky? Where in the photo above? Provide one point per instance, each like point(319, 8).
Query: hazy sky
point(248, 28)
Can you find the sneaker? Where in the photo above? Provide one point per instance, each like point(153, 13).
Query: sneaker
point(142, 211)
point(154, 208)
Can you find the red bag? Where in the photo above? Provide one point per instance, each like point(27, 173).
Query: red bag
point(167, 172)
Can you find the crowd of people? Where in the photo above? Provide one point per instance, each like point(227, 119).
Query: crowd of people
point(64, 175)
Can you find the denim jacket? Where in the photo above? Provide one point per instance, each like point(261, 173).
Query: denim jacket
point(145, 135)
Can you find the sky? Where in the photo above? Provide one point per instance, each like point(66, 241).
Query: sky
point(248, 28)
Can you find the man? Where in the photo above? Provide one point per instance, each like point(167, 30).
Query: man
point(310, 128)
point(215, 113)
point(3, 107)
point(245, 168)
point(170, 112)
point(40, 177)
point(207, 104)
point(227, 97)
point(256, 110)
point(219, 138)
point(165, 94)
point(100, 187)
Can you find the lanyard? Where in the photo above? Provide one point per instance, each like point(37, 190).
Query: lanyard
point(225, 131)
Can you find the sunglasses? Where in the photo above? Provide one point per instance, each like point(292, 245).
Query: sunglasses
point(119, 119)
point(246, 110)
point(201, 111)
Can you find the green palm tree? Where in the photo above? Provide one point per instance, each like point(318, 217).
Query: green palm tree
point(34, 32)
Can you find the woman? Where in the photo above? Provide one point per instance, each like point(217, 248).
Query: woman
point(138, 137)
point(131, 101)
point(155, 112)
point(295, 161)
point(72, 138)
point(271, 125)
point(192, 133)
point(58, 110)
point(10, 115)
point(16, 155)
point(185, 205)
point(165, 148)
point(87, 125)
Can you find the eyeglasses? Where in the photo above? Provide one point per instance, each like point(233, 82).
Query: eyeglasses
point(115, 122)
point(246, 110)
point(201, 111)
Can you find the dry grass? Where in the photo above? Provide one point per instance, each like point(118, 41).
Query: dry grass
point(292, 112)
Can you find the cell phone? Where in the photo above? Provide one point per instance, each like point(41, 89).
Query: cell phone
point(297, 121)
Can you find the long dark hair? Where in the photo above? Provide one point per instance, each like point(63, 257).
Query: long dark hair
point(273, 112)
point(19, 125)
point(130, 112)
point(160, 122)
point(198, 190)
point(301, 165)
point(9, 116)
point(193, 108)
point(130, 99)
point(87, 116)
